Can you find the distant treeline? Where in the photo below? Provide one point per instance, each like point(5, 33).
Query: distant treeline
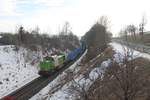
point(34, 39)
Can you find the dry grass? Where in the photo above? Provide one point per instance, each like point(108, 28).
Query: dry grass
point(103, 56)
point(114, 85)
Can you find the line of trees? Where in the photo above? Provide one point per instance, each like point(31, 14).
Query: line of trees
point(34, 39)
point(97, 37)
point(134, 32)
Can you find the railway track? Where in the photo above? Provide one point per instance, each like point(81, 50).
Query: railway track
point(30, 89)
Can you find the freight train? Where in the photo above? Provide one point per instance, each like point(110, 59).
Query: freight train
point(51, 64)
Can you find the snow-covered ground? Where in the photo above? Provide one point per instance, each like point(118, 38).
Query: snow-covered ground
point(58, 96)
point(16, 69)
point(120, 49)
point(63, 92)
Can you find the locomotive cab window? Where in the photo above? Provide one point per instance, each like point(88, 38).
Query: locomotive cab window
point(48, 58)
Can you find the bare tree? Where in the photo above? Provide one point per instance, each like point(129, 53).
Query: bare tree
point(21, 33)
point(66, 29)
point(131, 29)
point(104, 20)
point(125, 79)
point(142, 25)
point(129, 32)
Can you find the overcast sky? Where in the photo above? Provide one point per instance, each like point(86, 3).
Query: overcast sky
point(50, 15)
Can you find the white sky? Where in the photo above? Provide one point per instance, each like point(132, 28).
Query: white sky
point(49, 15)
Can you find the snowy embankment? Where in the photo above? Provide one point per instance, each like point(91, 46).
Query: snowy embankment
point(60, 89)
point(57, 90)
point(121, 49)
point(16, 68)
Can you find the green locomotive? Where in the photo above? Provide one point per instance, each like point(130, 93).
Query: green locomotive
point(49, 64)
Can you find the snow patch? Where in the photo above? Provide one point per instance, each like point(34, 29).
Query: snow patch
point(120, 51)
point(14, 70)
